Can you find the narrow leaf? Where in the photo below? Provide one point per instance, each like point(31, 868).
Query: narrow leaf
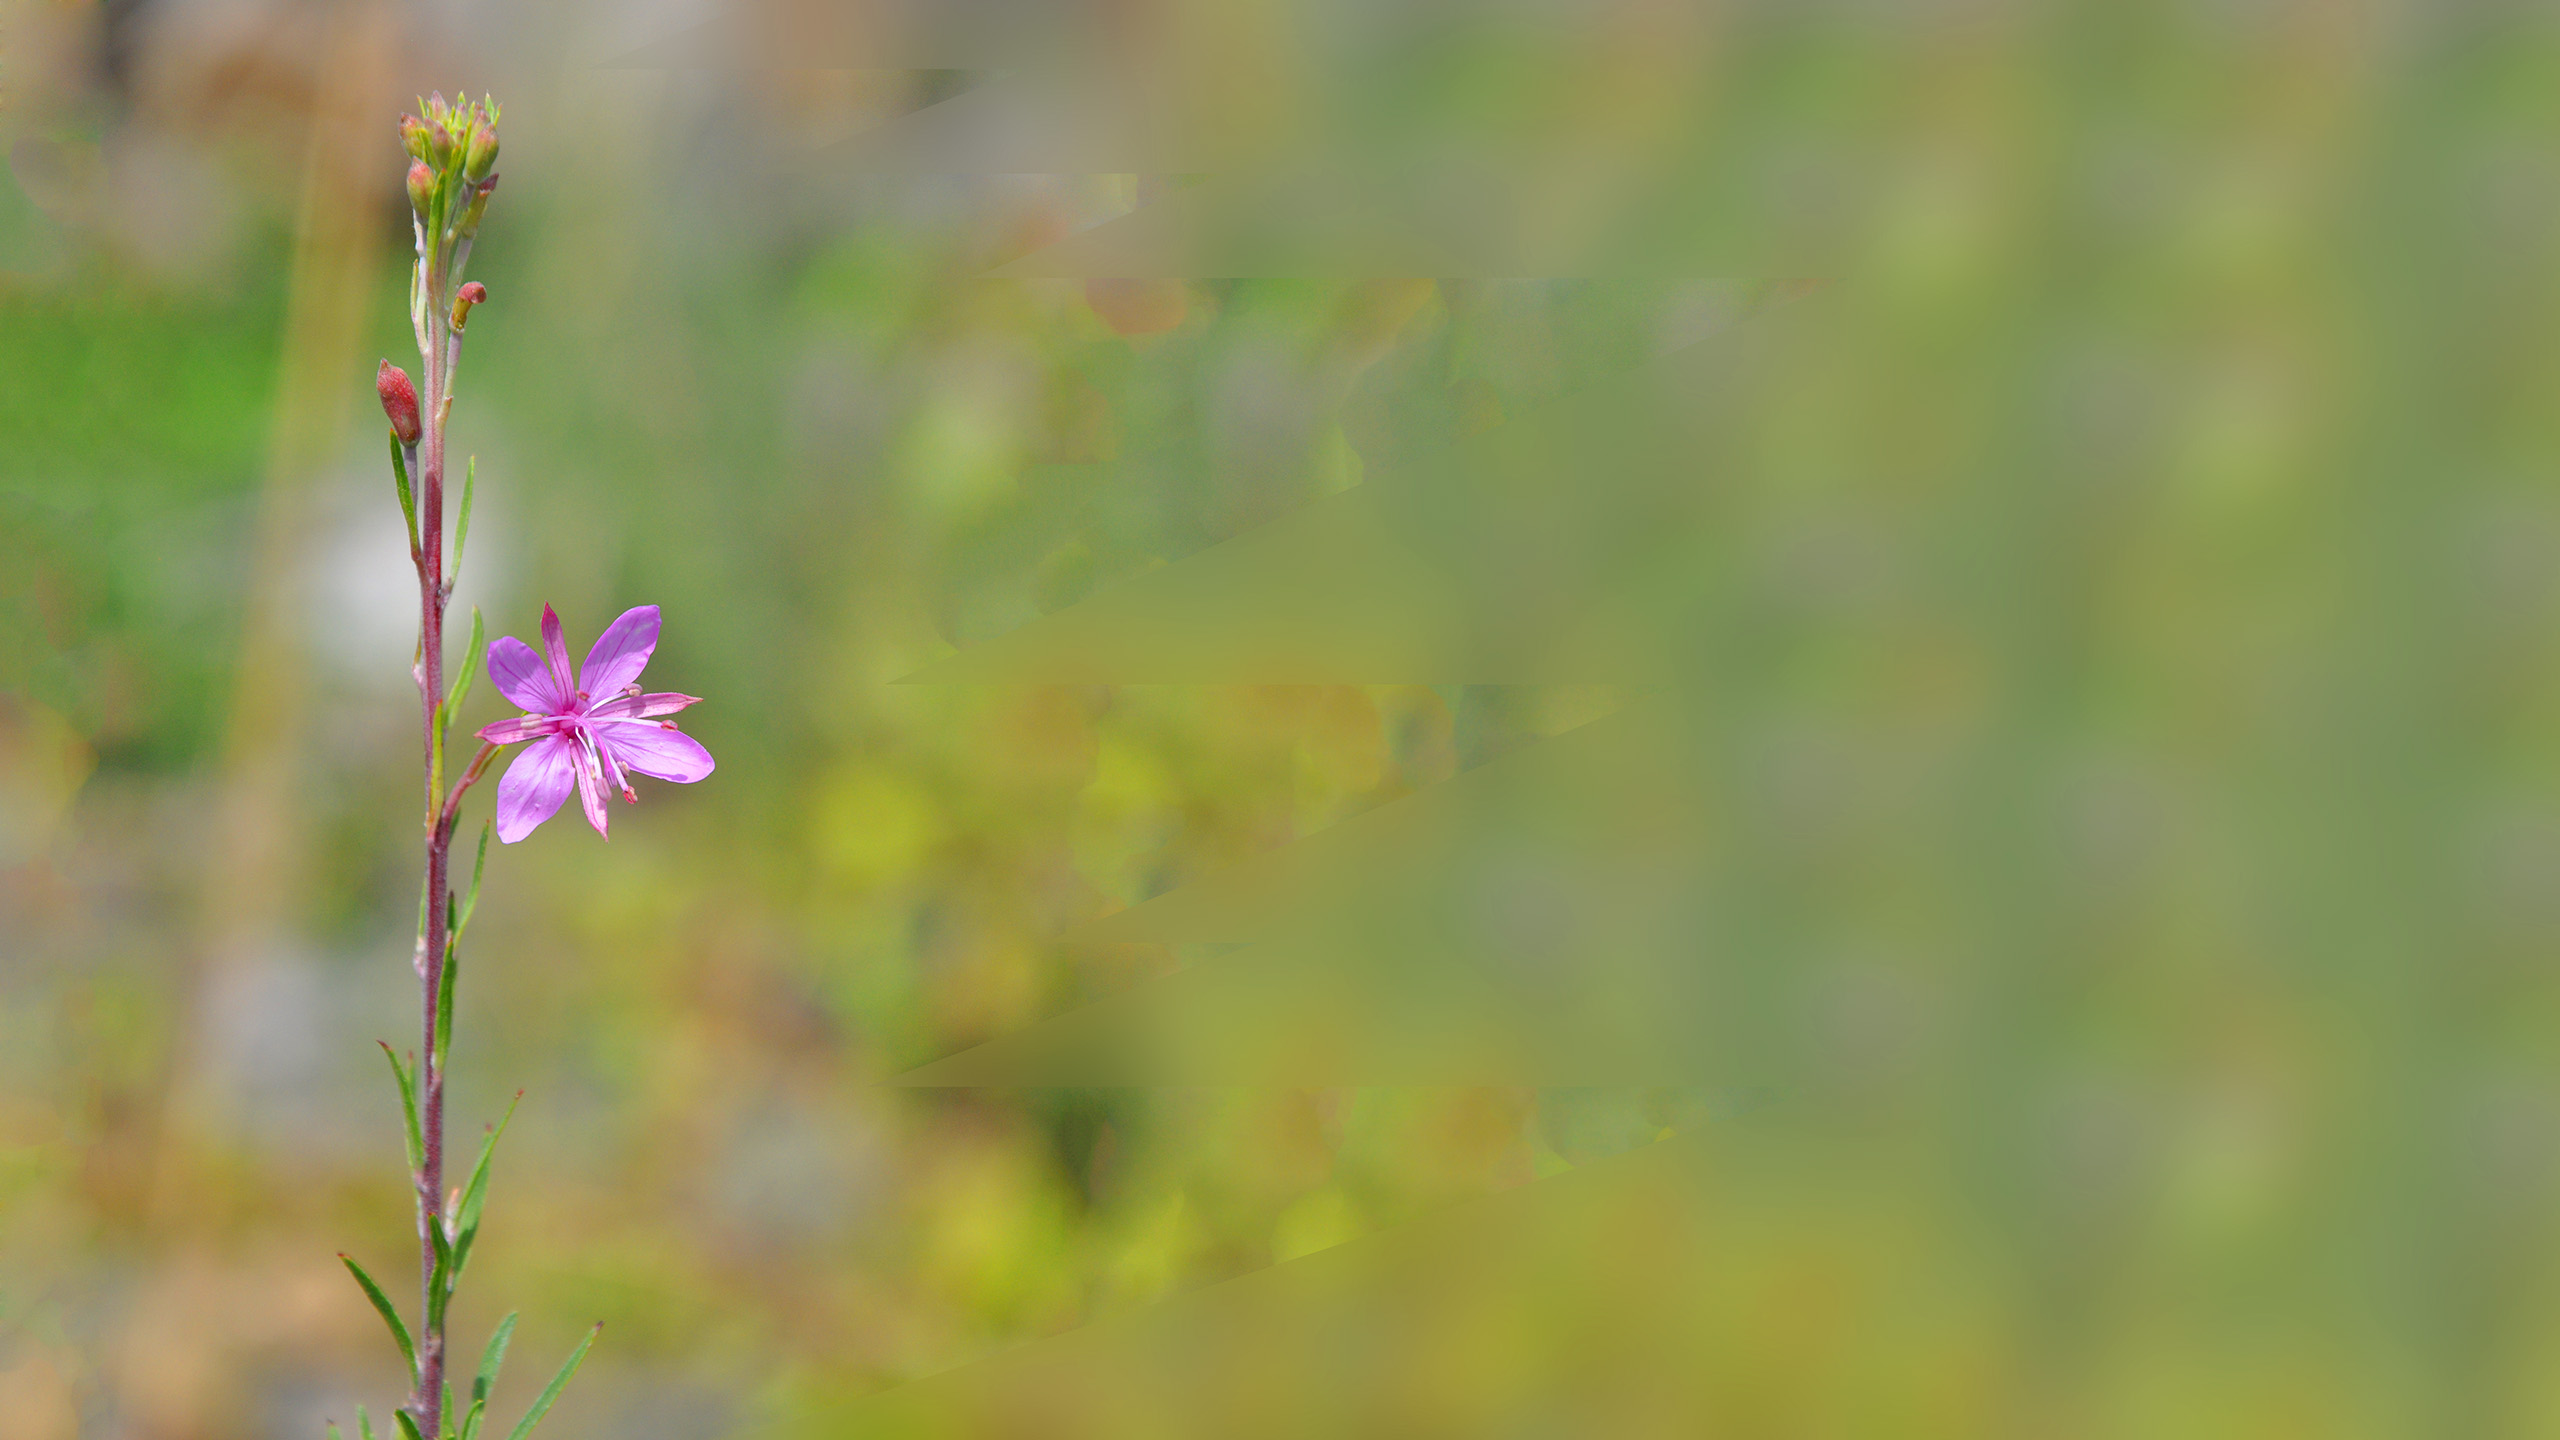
point(471, 1422)
point(333, 1431)
point(441, 1280)
point(390, 1316)
point(408, 1425)
point(408, 1107)
point(364, 1423)
point(444, 1417)
point(559, 1382)
point(470, 666)
point(495, 1356)
point(444, 993)
point(471, 899)
point(408, 501)
point(462, 532)
point(475, 1191)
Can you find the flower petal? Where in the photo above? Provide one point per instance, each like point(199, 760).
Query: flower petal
point(640, 707)
point(654, 750)
point(522, 727)
point(534, 785)
point(591, 791)
point(558, 652)
point(621, 652)
point(518, 674)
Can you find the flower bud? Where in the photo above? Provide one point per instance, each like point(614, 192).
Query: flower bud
point(479, 203)
point(472, 293)
point(399, 401)
point(482, 154)
point(440, 146)
point(413, 136)
point(422, 188)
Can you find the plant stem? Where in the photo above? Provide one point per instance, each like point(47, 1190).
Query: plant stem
point(426, 1402)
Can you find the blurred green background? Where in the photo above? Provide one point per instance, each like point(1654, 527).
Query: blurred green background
point(1884, 765)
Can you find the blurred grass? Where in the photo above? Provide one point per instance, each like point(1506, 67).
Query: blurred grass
point(2078, 854)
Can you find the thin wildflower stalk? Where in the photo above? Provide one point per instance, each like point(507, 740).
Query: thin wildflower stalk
point(590, 730)
point(450, 181)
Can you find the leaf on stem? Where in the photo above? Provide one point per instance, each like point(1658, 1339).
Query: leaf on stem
point(462, 678)
point(390, 1315)
point(471, 900)
point(462, 532)
point(408, 1107)
point(559, 1382)
point(364, 1423)
point(408, 1425)
point(408, 500)
point(441, 1280)
point(444, 996)
point(475, 1193)
point(492, 1358)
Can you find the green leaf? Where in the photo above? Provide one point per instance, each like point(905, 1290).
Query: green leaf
point(471, 901)
point(462, 532)
point(441, 1280)
point(444, 1417)
point(475, 1192)
point(471, 1422)
point(333, 1431)
point(390, 1316)
point(495, 1356)
point(444, 992)
point(364, 1423)
point(408, 1426)
point(408, 1107)
point(408, 500)
point(559, 1382)
point(462, 677)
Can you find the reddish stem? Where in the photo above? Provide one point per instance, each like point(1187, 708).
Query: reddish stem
point(426, 1402)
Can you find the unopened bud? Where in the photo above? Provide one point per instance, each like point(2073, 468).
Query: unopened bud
point(482, 154)
point(479, 203)
point(422, 187)
point(440, 146)
point(413, 136)
point(472, 293)
point(399, 401)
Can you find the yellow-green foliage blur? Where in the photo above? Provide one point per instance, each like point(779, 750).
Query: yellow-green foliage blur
point(1634, 718)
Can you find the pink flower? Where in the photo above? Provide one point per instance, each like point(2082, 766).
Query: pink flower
point(587, 732)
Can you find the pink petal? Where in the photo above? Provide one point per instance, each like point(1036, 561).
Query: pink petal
point(534, 785)
point(637, 707)
point(558, 651)
point(621, 652)
point(517, 672)
point(591, 791)
point(522, 727)
point(654, 750)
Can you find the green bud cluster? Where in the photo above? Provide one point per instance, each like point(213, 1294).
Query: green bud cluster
point(455, 147)
point(453, 153)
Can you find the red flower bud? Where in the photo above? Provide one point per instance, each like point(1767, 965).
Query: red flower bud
point(422, 188)
point(413, 136)
point(399, 401)
point(472, 293)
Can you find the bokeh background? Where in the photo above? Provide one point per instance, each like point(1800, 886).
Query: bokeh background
point(1514, 719)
